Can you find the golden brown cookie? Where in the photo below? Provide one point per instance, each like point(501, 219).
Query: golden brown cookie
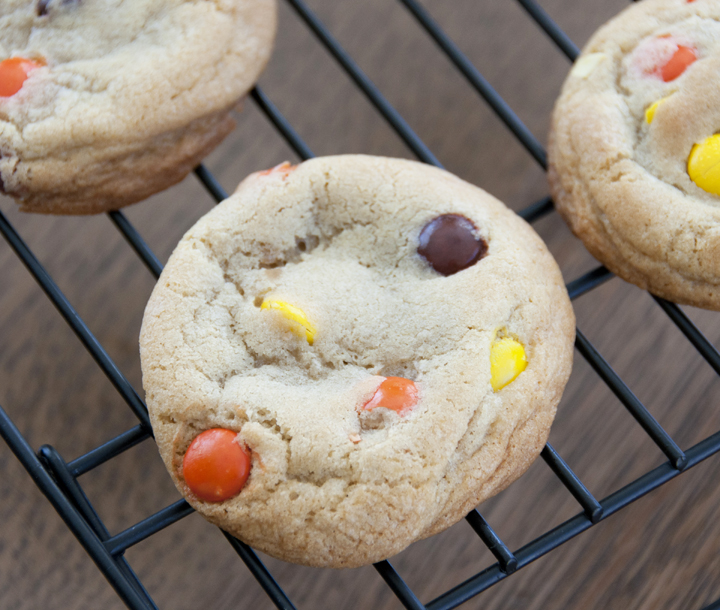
point(634, 156)
point(380, 344)
point(103, 103)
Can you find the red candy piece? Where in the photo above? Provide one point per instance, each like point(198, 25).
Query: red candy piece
point(678, 63)
point(215, 466)
point(394, 393)
point(13, 73)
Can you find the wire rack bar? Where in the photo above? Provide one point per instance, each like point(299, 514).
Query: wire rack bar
point(707, 350)
point(713, 606)
point(585, 283)
point(138, 243)
point(121, 384)
point(576, 525)
point(537, 210)
point(291, 136)
point(134, 581)
point(398, 586)
point(100, 455)
point(630, 401)
point(506, 560)
point(54, 461)
point(559, 37)
point(478, 81)
point(129, 593)
point(210, 183)
point(392, 116)
point(573, 484)
point(69, 485)
point(261, 574)
point(140, 531)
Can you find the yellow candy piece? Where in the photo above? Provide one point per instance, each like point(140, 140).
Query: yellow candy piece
point(586, 65)
point(300, 324)
point(704, 164)
point(507, 361)
point(652, 108)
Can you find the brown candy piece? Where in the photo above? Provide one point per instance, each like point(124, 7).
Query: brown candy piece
point(449, 245)
point(43, 6)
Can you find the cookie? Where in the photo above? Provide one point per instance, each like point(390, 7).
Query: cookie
point(634, 155)
point(348, 355)
point(103, 103)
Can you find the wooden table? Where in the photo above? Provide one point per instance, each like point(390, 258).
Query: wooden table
point(661, 552)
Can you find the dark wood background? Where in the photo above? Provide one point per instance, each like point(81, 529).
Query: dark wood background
point(661, 552)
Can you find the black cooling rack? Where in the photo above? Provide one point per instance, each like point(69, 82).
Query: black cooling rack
point(58, 479)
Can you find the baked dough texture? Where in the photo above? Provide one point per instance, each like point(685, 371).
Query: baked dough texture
point(133, 94)
point(620, 181)
point(331, 484)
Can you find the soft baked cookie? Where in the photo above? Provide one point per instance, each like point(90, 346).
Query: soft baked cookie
point(105, 102)
point(379, 344)
point(634, 156)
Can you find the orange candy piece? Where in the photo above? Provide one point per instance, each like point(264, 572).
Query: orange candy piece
point(216, 466)
point(678, 63)
point(13, 73)
point(395, 393)
point(284, 169)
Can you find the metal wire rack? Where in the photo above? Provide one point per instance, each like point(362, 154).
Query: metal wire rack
point(58, 479)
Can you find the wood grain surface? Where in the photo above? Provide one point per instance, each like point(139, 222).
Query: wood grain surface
point(662, 552)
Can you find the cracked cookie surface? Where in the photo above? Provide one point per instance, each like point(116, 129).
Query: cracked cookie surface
point(642, 96)
point(333, 483)
point(127, 97)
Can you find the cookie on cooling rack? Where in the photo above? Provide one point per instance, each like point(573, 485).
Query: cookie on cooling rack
point(349, 355)
point(635, 153)
point(103, 103)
